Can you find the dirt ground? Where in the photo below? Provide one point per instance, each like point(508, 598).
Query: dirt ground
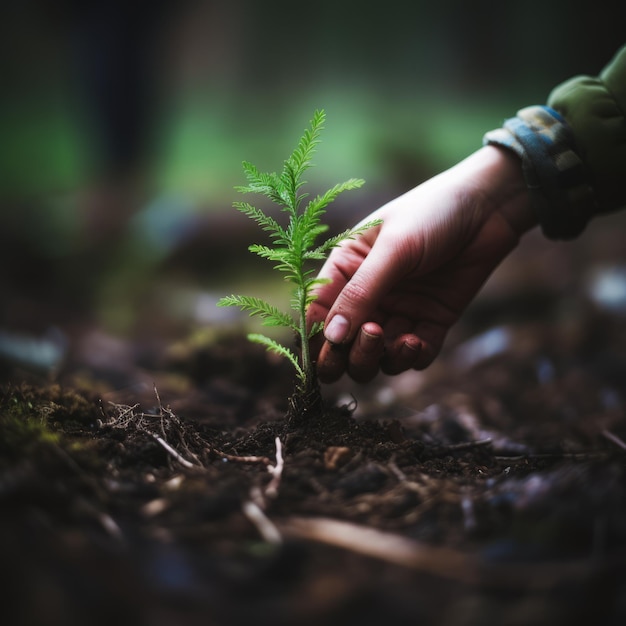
point(161, 483)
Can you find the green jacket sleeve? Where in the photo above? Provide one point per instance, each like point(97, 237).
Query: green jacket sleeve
point(595, 109)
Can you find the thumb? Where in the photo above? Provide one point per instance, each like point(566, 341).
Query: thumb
point(362, 293)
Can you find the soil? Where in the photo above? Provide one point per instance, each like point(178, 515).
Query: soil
point(168, 484)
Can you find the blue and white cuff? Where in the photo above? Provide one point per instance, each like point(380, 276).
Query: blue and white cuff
point(556, 176)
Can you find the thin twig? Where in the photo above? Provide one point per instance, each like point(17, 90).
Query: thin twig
point(243, 459)
point(110, 525)
point(465, 445)
point(614, 439)
point(264, 525)
point(183, 461)
point(398, 473)
point(576, 456)
point(158, 397)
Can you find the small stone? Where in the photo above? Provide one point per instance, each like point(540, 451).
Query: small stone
point(336, 456)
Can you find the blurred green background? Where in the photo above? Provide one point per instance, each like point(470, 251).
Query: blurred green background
point(123, 126)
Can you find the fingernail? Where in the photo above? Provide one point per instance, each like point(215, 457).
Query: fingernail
point(337, 329)
point(369, 342)
point(410, 349)
point(409, 352)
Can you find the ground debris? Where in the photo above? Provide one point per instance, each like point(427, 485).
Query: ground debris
point(499, 486)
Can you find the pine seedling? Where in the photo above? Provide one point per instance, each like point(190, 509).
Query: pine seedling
point(292, 249)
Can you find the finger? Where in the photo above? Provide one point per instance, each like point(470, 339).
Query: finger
point(326, 293)
point(336, 271)
point(332, 362)
point(416, 350)
point(366, 352)
point(362, 293)
point(395, 326)
point(315, 345)
point(431, 338)
point(401, 354)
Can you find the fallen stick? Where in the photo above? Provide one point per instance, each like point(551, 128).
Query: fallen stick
point(447, 563)
point(378, 544)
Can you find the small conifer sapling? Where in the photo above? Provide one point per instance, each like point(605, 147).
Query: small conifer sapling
point(293, 248)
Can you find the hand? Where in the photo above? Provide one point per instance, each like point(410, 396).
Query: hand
point(397, 289)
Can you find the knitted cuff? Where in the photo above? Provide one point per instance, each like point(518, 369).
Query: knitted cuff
point(556, 177)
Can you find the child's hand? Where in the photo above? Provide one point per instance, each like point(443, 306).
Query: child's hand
point(398, 288)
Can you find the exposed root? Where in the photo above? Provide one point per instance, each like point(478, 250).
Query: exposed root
point(306, 404)
point(254, 508)
point(271, 491)
point(164, 427)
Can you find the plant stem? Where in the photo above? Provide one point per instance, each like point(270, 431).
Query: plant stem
point(307, 366)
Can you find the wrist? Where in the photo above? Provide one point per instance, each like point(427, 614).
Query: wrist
point(503, 183)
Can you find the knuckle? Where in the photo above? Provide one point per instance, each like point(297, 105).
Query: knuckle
point(356, 293)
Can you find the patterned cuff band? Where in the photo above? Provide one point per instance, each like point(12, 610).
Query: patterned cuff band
point(556, 176)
